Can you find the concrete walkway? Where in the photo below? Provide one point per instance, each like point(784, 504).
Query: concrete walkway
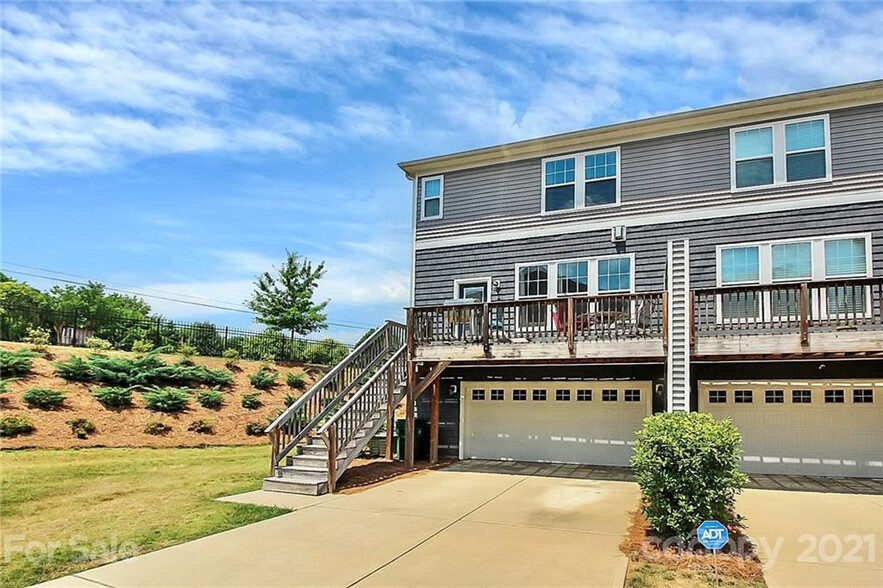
point(443, 527)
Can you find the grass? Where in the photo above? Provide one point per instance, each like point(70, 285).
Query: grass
point(132, 500)
point(650, 575)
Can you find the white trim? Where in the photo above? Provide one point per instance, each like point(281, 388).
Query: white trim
point(552, 277)
point(669, 360)
point(462, 418)
point(779, 153)
point(661, 214)
point(413, 281)
point(441, 197)
point(484, 279)
point(579, 181)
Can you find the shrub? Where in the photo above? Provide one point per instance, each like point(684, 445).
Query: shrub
point(203, 426)
point(98, 344)
point(4, 383)
point(213, 399)
point(82, 427)
point(10, 426)
point(167, 399)
point(687, 465)
point(44, 398)
point(17, 363)
point(188, 352)
point(75, 369)
point(290, 399)
point(157, 428)
point(296, 381)
point(38, 339)
point(263, 379)
point(141, 347)
point(251, 402)
point(231, 357)
point(112, 397)
point(326, 352)
point(255, 428)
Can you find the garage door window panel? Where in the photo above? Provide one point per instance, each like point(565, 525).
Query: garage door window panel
point(801, 396)
point(562, 395)
point(583, 395)
point(743, 396)
point(717, 396)
point(774, 396)
point(519, 394)
point(609, 395)
point(834, 397)
point(478, 395)
point(498, 395)
point(539, 395)
point(862, 396)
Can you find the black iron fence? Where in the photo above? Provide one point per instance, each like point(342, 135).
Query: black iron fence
point(73, 328)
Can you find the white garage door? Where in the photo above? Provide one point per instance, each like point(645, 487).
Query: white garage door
point(589, 422)
point(813, 427)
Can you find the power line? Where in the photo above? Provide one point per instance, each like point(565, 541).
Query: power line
point(179, 301)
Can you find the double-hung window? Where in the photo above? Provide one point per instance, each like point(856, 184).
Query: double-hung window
point(780, 153)
point(432, 191)
point(739, 266)
point(581, 180)
point(844, 259)
point(533, 284)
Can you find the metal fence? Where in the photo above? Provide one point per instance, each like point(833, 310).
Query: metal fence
point(74, 328)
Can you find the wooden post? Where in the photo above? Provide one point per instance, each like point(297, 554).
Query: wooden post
point(409, 416)
point(692, 316)
point(411, 344)
point(804, 314)
point(665, 320)
point(571, 328)
point(332, 458)
point(485, 330)
point(274, 451)
point(390, 410)
point(433, 420)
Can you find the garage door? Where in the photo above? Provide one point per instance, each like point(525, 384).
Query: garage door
point(588, 422)
point(813, 427)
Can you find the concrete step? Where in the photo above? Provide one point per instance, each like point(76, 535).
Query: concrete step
point(310, 461)
point(302, 473)
point(319, 450)
point(291, 486)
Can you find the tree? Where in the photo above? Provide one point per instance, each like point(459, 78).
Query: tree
point(21, 307)
point(93, 305)
point(285, 301)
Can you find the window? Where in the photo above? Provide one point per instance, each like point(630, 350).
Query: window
point(519, 394)
point(478, 395)
point(614, 275)
point(573, 277)
point(581, 180)
point(432, 191)
point(539, 394)
point(533, 280)
point(845, 258)
point(717, 396)
point(801, 396)
point(834, 397)
point(743, 396)
point(792, 261)
point(609, 395)
point(740, 265)
point(775, 396)
point(583, 395)
point(780, 153)
point(562, 395)
point(497, 395)
point(863, 396)
point(632, 396)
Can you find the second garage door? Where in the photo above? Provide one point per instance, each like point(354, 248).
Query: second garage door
point(587, 422)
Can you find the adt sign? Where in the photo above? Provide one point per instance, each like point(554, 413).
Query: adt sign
point(713, 535)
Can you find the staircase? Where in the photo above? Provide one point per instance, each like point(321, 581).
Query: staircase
point(679, 313)
point(318, 436)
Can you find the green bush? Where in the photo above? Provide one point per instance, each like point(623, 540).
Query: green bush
point(231, 357)
point(146, 370)
point(188, 352)
point(251, 402)
point(263, 379)
point(98, 344)
point(11, 426)
point(112, 397)
point(157, 428)
point(141, 347)
point(75, 369)
point(687, 465)
point(44, 398)
point(82, 427)
point(296, 381)
point(255, 428)
point(290, 399)
point(326, 352)
point(167, 399)
point(4, 383)
point(39, 339)
point(204, 426)
point(213, 399)
point(17, 363)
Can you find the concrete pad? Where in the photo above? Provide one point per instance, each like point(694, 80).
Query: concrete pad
point(68, 582)
point(280, 499)
point(481, 554)
point(310, 547)
point(442, 494)
point(816, 539)
point(553, 503)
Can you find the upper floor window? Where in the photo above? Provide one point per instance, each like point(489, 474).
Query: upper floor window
point(581, 180)
point(432, 190)
point(781, 152)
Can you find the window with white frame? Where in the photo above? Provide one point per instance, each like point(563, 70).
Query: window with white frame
point(614, 274)
point(780, 153)
point(581, 180)
point(573, 277)
point(432, 190)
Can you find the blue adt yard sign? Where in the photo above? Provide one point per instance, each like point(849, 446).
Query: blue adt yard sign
point(713, 535)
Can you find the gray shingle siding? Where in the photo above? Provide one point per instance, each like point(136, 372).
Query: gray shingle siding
point(684, 164)
point(437, 268)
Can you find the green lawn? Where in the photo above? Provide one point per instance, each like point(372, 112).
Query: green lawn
point(63, 511)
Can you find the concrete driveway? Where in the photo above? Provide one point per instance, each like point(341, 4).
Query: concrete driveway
point(442, 527)
point(814, 539)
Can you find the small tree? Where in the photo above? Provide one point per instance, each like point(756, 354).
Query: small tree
point(285, 301)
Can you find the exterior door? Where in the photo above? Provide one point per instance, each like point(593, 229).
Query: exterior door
point(476, 291)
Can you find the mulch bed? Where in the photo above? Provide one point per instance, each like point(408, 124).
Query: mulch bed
point(642, 544)
point(368, 473)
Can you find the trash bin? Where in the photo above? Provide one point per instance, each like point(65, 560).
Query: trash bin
point(401, 425)
point(421, 439)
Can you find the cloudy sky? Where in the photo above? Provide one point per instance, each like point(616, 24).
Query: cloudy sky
point(179, 149)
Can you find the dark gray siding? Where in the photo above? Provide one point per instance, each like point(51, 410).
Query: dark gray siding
point(437, 268)
point(679, 165)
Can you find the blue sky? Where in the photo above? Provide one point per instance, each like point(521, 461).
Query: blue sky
point(181, 148)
